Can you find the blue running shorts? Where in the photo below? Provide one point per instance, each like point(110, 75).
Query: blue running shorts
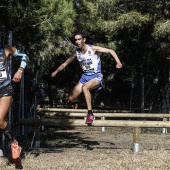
point(98, 76)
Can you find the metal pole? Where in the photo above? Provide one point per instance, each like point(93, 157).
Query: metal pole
point(10, 38)
point(35, 97)
point(131, 95)
point(22, 99)
point(142, 95)
point(168, 88)
point(10, 43)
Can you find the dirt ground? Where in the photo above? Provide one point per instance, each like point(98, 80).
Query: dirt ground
point(90, 148)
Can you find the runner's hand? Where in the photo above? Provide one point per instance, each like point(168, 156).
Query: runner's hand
point(53, 74)
point(17, 76)
point(119, 65)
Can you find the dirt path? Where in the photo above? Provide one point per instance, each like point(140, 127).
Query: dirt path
point(92, 149)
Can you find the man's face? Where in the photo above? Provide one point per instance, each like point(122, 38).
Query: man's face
point(79, 40)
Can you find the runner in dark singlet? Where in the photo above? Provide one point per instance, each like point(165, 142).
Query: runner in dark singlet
point(6, 91)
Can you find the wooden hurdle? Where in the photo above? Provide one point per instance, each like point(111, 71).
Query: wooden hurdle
point(136, 124)
point(96, 123)
point(113, 115)
point(80, 110)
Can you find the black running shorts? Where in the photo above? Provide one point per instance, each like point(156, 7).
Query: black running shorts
point(6, 91)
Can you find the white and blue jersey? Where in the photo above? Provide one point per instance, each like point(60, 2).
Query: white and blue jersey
point(91, 66)
point(89, 62)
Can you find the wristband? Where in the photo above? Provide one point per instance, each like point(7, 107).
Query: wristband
point(20, 70)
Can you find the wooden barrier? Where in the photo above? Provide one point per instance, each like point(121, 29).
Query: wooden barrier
point(96, 123)
point(64, 117)
point(79, 110)
point(113, 115)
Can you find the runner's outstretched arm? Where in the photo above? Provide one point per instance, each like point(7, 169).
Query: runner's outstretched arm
point(63, 65)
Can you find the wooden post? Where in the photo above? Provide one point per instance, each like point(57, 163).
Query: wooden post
point(136, 139)
point(37, 138)
point(164, 130)
point(103, 128)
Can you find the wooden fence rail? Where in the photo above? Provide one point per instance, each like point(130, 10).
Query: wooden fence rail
point(71, 118)
point(79, 110)
point(96, 123)
point(113, 115)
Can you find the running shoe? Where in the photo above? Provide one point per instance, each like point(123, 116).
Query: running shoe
point(90, 118)
point(16, 150)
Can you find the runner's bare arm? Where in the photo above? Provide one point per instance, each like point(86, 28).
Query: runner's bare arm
point(65, 64)
point(106, 50)
point(9, 50)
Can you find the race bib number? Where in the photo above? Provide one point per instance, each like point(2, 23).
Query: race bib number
point(3, 75)
point(87, 65)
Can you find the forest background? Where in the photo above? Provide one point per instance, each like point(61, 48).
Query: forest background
point(137, 30)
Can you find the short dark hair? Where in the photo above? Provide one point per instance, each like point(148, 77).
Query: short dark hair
point(79, 33)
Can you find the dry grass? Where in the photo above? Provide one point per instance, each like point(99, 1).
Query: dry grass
point(90, 149)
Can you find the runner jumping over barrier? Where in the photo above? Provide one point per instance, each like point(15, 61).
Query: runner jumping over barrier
point(6, 95)
point(90, 63)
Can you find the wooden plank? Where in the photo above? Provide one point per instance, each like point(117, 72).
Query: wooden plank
point(79, 110)
point(99, 123)
point(120, 115)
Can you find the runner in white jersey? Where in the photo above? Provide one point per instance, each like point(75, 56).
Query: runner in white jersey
point(90, 63)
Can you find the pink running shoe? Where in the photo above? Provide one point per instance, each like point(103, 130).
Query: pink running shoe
point(90, 118)
point(16, 150)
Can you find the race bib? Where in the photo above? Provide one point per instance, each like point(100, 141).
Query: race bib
point(3, 74)
point(87, 65)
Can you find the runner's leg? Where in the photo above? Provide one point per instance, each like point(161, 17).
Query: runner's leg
point(5, 103)
point(75, 92)
point(90, 85)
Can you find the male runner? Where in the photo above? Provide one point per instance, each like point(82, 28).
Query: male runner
point(89, 59)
